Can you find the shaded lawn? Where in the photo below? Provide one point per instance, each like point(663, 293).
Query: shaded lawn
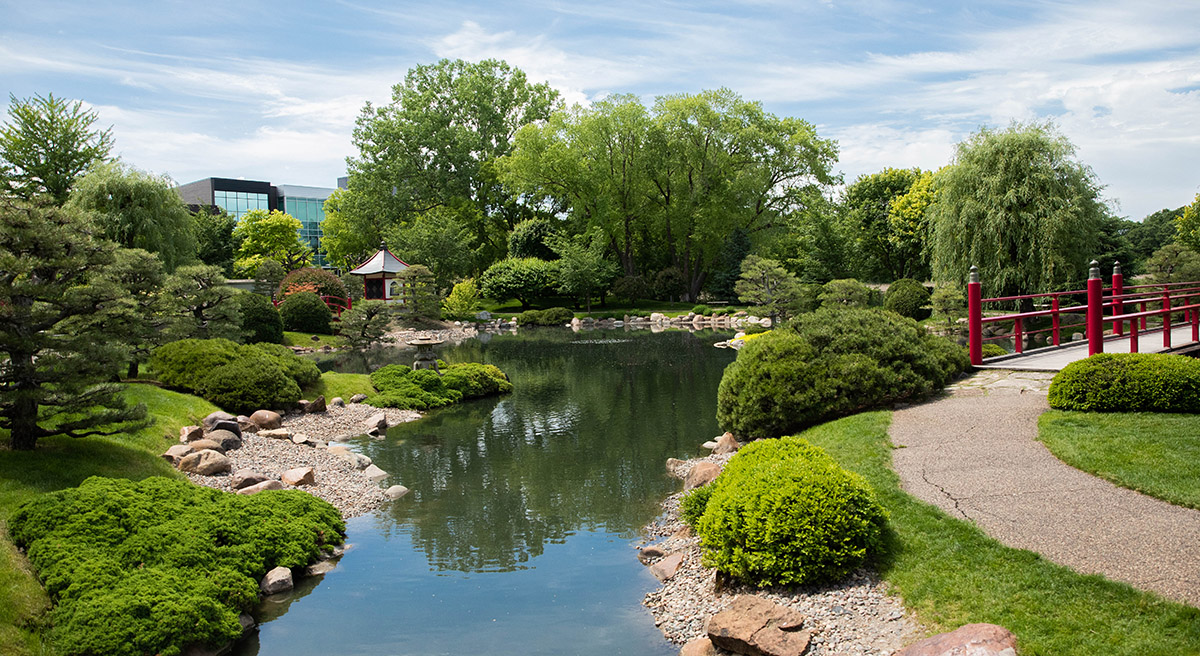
point(306, 339)
point(344, 385)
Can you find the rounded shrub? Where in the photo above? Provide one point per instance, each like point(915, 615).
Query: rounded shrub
point(260, 319)
point(326, 283)
point(702, 310)
point(1128, 382)
point(993, 350)
point(250, 384)
point(555, 316)
point(305, 312)
point(304, 372)
point(907, 298)
point(186, 363)
point(401, 387)
point(831, 363)
point(784, 513)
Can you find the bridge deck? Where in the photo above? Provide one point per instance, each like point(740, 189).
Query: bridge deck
point(1054, 358)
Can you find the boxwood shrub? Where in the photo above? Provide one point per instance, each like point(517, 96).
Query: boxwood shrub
point(1128, 382)
point(402, 387)
point(908, 298)
point(784, 513)
point(154, 566)
point(260, 319)
point(237, 378)
point(186, 363)
point(250, 384)
point(831, 363)
point(990, 350)
point(305, 312)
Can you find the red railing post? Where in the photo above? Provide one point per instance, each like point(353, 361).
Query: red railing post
point(1118, 288)
point(975, 318)
point(1195, 321)
point(1054, 309)
point(1018, 336)
point(1142, 308)
point(1095, 310)
point(1166, 318)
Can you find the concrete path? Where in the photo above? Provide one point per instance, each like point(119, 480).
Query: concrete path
point(1055, 358)
point(975, 455)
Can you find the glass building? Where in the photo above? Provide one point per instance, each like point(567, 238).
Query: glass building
point(238, 203)
point(307, 204)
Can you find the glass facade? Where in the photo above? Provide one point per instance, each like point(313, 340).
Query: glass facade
point(238, 203)
point(310, 212)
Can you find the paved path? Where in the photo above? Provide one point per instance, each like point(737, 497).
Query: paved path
point(975, 455)
point(1055, 358)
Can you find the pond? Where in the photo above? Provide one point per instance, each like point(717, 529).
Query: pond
point(518, 536)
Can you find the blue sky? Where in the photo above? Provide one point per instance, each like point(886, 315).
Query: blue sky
point(270, 90)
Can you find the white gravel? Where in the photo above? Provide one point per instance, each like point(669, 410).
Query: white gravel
point(855, 617)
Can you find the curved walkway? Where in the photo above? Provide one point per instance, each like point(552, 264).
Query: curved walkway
point(975, 455)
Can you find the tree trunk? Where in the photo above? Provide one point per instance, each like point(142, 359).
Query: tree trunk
point(133, 370)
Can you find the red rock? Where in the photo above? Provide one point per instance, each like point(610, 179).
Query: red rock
point(664, 569)
point(702, 474)
point(758, 627)
point(967, 640)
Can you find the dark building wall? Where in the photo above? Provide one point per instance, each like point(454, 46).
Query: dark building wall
point(197, 193)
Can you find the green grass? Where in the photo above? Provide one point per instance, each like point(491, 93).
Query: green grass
point(343, 385)
point(306, 339)
point(951, 573)
point(61, 462)
point(1154, 453)
point(613, 309)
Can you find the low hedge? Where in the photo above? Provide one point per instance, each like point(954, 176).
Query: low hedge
point(239, 379)
point(784, 513)
point(1128, 382)
point(555, 316)
point(990, 350)
point(154, 566)
point(423, 389)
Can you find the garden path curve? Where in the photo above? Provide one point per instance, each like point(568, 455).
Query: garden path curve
point(975, 455)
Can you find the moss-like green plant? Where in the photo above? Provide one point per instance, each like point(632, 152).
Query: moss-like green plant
point(247, 385)
point(423, 389)
point(153, 566)
point(186, 363)
point(993, 350)
point(260, 319)
point(237, 378)
point(304, 372)
point(555, 316)
point(1128, 382)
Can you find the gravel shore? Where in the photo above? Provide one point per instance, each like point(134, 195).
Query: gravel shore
point(855, 617)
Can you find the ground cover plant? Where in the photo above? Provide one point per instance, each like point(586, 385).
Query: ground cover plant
point(398, 386)
point(1128, 382)
point(152, 566)
point(238, 378)
point(951, 573)
point(1154, 453)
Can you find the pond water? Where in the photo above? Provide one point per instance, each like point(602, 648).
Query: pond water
point(518, 535)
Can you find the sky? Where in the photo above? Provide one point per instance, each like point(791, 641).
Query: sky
point(271, 90)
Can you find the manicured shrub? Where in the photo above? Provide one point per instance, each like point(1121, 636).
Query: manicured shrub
point(784, 513)
point(237, 378)
point(846, 292)
point(154, 566)
point(907, 298)
point(260, 319)
point(702, 310)
point(305, 312)
point(523, 278)
point(304, 372)
point(463, 301)
point(555, 316)
point(692, 504)
point(250, 384)
point(831, 363)
point(326, 283)
point(993, 350)
point(401, 387)
point(473, 380)
point(186, 363)
point(1129, 382)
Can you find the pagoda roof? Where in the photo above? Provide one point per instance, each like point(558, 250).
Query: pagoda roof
point(381, 262)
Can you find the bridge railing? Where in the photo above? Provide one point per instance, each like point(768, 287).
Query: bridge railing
point(1100, 305)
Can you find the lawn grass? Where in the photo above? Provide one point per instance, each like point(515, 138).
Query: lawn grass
point(951, 573)
point(344, 385)
point(1154, 453)
point(613, 309)
point(306, 339)
point(61, 462)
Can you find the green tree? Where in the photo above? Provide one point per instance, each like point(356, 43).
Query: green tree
point(138, 210)
point(268, 275)
point(1174, 263)
point(203, 305)
point(142, 316)
point(1187, 226)
point(766, 284)
point(351, 229)
point(723, 283)
point(846, 292)
point(421, 297)
point(365, 325)
point(59, 352)
point(1016, 204)
point(582, 269)
point(438, 240)
point(271, 236)
point(49, 143)
point(868, 203)
point(1153, 232)
point(528, 239)
point(214, 237)
point(525, 279)
point(948, 302)
point(463, 301)
point(435, 145)
point(908, 225)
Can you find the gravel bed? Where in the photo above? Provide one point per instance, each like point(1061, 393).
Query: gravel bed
point(854, 617)
point(337, 422)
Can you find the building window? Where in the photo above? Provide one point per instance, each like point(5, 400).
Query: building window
point(238, 203)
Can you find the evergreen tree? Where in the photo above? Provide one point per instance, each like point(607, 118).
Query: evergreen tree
point(48, 144)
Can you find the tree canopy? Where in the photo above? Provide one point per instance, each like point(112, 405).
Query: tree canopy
point(270, 236)
point(47, 144)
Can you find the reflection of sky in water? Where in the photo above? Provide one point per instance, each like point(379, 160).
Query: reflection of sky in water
point(517, 535)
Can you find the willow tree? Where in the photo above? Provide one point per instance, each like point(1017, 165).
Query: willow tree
point(1017, 204)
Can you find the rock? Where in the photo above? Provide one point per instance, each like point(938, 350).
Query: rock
point(483, 315)
point(266, 419)
point(213, 418)
point(664, 569)
point(343, 438)
point(710, 445)
point(758, 627)
point(702, 474)
point(320, 568)
point(968, 640)
point(358, 398)
point(246, 425)
point(374, 473)
point(299, 476)
point(226, 439)
point(244, 478)
point(377, 421)
point(699, 647)
point(190, 434)
point(316, 406)
point(276, 433)
point(647, 554)
point(684, 531)
point(247, 622)
point(339, 449)
point(177, 452)
point(269, 484)
point(302, 404)
point(206, 463)
point(727, 443)
point(276, 581)
point(359, 461)
point(230, 425)
point(299, 439)
point(657, 317)
point(673, 467)
point(200, 445)
point(337, 402)
point(395, 492)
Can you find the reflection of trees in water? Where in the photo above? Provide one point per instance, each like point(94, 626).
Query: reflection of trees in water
point(580, 445)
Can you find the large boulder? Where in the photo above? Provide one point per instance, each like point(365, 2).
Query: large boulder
point(244, 478)
point(269, 484)
point(205, 463)
point(395, 492)
point(231, 426)
point(219, 415)
point(727, 443)
point(666, 568)
point(226, 439)
point(190, 434)
point(316, 406)
point(246, 425)
point(177, 452)
point(213, 445)
point(299, 476)
point(759, 627)
point(376, 422)
point(266, 419)
point(967, 640)
point(699, 647)
point(702, 474)
point(276, 581)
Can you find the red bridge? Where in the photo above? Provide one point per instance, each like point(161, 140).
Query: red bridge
point(1113, 319)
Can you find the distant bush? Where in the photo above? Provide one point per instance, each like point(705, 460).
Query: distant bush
point(326, 283)
point(702, 310)
point(993, 350)
point(260, 319)
point(305, 312)
point(555, 316)
point(1128, 382)
point(303, 371)
point(402, 387)
point(784, 513)
point(907, 298)
point(463, 301)
point(154, 566)
point(846, 292)
point(831, 363)
point(631, 289)
point(237, 378)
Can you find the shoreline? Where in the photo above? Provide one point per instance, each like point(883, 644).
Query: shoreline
point(856, 616)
